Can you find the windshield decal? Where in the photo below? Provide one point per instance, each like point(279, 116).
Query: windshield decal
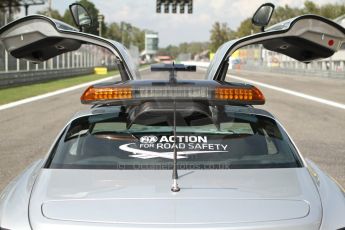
point(154, 147)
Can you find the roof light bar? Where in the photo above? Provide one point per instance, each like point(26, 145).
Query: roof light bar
point(107, 93)
point(244, 94)
point(181, 92)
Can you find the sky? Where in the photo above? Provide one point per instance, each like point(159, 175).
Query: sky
point(177, 28)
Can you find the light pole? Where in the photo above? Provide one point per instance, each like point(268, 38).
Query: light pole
point(126, 28)
point(123, 24)
point(49, 8)
point(100, 20)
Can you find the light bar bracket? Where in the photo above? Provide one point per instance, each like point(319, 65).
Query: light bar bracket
point(173, 67)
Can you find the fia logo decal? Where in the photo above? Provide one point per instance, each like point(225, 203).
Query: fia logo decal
point(153, 147)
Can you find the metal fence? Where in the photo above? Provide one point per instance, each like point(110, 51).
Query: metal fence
point(14, 72)
point(11, 79)
point(292, 71)
point(257, 58)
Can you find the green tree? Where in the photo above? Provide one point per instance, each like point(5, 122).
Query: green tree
point(114, 32)
point(170, 50)
point(310, 8)
point(246, 28)
point(93, 12)
point(283, 13)
point(138, 38)
point(52, 13)
point(220, 33)
point(192, 47)
point(332, 11)
point(126, 34)
point(328, 11)
point(67, 17)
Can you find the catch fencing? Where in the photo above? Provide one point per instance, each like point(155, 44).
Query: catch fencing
point(291, 71)
point(307, 72)
point(16, 72)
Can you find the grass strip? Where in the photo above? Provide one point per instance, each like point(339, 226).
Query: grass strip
point(21, 92)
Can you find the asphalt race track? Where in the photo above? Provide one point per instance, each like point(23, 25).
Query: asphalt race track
point(318, 129)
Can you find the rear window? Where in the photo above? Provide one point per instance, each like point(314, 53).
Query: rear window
point(226, 140)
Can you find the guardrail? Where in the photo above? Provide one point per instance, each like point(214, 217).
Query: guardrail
point(289, 71)
point(15, 72)
point(273, 70)
point(17, 78)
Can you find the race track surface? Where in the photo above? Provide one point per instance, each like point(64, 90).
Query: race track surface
point(27, 131)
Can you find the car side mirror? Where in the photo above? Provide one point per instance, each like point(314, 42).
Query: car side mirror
point(263, 15)
point(80, 16)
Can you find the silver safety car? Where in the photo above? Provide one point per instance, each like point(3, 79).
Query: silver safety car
point(173, 153)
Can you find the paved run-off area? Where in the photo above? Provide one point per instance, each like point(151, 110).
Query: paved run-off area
point(28, 130)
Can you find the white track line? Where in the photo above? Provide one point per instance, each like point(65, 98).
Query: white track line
point(57, 92)
point(294, 93)
point(54, 93)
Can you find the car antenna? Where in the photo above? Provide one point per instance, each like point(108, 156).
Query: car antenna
point(174, 187)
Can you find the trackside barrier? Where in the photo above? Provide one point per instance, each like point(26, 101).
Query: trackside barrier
point(283, 71)
point(299, 72)
point(17, 78)
point(101, 70)
point(16, 72)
